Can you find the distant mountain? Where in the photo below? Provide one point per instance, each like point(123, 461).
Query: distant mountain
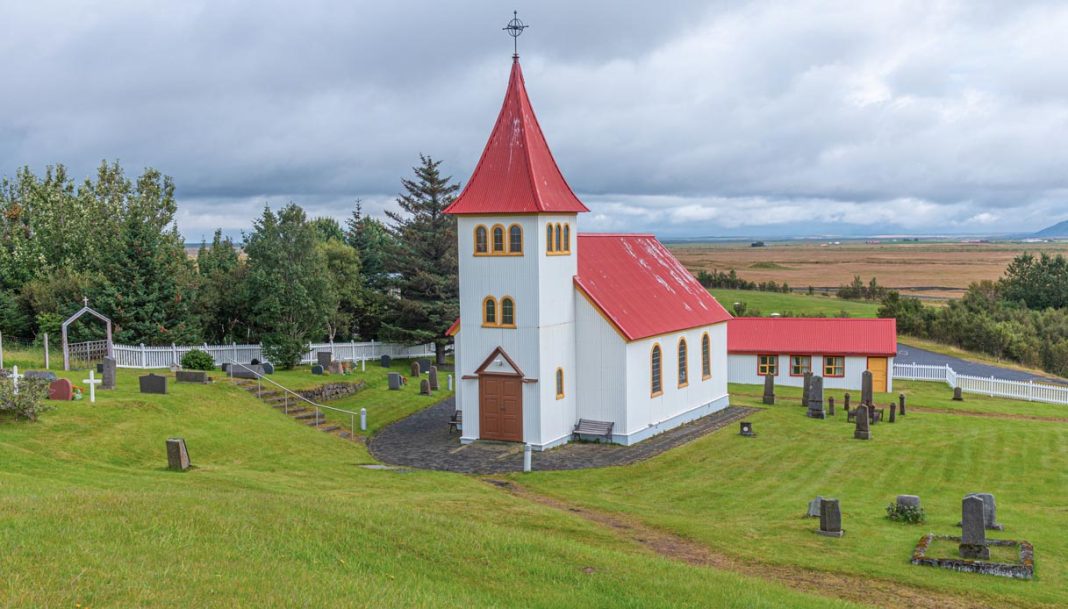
point(1057, 230)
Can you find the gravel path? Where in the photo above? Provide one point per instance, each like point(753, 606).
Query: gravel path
point(422, 440)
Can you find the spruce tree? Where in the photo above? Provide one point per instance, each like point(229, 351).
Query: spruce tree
point(424, 262)
point(374, 244)
point(221, 290)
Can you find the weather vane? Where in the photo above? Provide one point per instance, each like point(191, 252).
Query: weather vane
point(514, 28)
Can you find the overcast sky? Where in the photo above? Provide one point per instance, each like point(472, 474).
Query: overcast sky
point(682, 118)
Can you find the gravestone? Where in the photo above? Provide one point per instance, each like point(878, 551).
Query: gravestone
point(100, 368)
point(394, 381)
point(247, 372)
point(191, 376)
point(317, 369)
point(863, 429)
point(745, 428)
point(866, 388)
point(990, 511)
point(61, 389)
point(815, 398)
point(814, 507)
point(912, 501)
point(268, 367)
point(153, 383)
point(830, 406)
point(424, 387)
point(255, 361)
point(845, 403)
point(385, 361)
point(415, 369)
point(110, 368)
point(177, 455)
point(225, 367)
point(901, 403)
point(424, 366)
point(973, 530)
point(769, 389)
point(830, 518)
point(893, 412)
point(958, 395)
point(336, 367)
point(851, 415)
point(805, 388)
point(40, 375)
point(323, 359)
point(433, 378)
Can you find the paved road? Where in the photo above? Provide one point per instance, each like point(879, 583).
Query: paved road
point(907, 354)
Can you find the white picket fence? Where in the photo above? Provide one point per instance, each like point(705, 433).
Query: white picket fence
point(140, 356)
point(990, 386)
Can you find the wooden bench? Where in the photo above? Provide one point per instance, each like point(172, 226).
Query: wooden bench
point(456, 420)
point(586, 427)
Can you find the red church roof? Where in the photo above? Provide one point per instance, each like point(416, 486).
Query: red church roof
point(517, 173)
point(808, 336)
point(641, 287)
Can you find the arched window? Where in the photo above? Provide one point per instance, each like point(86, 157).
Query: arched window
point(656, 387)
point(489, 311)
point(706, 357)
point(559, 383)
point(515, 239)
point(559, 244)
point(507, 312)
point(567, 237)
point(481, 240)
point(498, 239)
point(549, 238)
point(684, 368)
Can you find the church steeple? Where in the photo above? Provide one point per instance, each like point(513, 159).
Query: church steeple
point(517, 173)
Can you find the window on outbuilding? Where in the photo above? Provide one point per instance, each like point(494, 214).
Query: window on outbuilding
point(498, 239)
point(507, 312)
point(656, 387)
point(684, 364)
point(481, 240)
point(800, 364)
point(489, 311)
point(515, 239)
point(834, 365)
point(559, 383)
point(706, 357)
point(768, 364)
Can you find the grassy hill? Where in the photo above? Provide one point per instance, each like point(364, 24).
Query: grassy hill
point(766, 303)
point(279, 515)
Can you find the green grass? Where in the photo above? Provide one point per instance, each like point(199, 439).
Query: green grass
point(279, 515)
point(766, 303)
point(746, 497)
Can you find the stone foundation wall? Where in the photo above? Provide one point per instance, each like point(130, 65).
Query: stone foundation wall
point(332, 391)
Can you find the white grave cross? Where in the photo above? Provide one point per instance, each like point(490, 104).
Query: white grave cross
point(92, 381)
point(15, 376)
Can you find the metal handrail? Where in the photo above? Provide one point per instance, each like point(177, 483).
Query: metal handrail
point(287, 392)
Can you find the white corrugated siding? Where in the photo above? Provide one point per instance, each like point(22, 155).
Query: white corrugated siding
point(602, 372)
point(743, 369)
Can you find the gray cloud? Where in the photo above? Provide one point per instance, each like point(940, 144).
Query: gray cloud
point(684, 118)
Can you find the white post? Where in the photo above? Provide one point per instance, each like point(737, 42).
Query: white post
point(174, 354)
point(526, 457)
point(144, 362)
point(363, 419)
point(991, 386)
point(92, 381)
point(1030, 390)
point(46, 350)
point(15, 376)
point(363, 364)
point(234, 351)
point(450, 382)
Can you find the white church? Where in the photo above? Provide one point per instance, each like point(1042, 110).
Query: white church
point(559, 327)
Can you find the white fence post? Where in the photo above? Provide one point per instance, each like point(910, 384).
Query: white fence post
point(144, 362)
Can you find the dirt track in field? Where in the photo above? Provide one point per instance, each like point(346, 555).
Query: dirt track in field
point(934, 270)
point(861, 590)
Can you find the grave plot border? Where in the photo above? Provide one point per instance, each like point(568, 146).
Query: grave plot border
point(1024, 570)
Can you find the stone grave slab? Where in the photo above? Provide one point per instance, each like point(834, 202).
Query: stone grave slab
point(153, 383)
point(61, 390)
point(177, 454)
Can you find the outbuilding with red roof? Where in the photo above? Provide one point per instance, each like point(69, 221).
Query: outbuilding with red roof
point(838, 349)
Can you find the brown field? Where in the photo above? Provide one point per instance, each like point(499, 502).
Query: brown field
point(929, 270)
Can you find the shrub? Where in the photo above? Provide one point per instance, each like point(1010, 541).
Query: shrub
point(905, 513)
point(28, 402)
point(284, 350)
point(198, 360)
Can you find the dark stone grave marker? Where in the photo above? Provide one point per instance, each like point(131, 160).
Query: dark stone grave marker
point(268, 367)
point(191, 376)
point(110, 369)
point(394, 381)
point(40, 375)
point(386, 361)
point(830, 518)
point(323, 359)
point(415, 369)
point(805, 388)
point(177, 455)
point(424, 387)
point(901, 403)
point(815, 398)
point(424, 365)
point(153, 383)
point(830, 406)
point(893, 412)
point(863, 430)
point(433, 378)
point(866, 388)
point(769, 389)
point(958, 395)
point(973, 530)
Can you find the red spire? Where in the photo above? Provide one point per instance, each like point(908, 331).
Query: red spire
point(517, 173)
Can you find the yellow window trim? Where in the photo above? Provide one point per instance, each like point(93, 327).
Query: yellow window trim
point(508, 237)
point(493, 241)
point(560, 383)
point(683, 365)
point(706, 337)
point(659, 377)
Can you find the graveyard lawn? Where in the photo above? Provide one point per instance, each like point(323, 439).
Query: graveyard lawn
point(274, 514)
point(745, 497)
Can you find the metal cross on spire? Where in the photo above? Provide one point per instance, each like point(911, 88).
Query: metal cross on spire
point(514, 28)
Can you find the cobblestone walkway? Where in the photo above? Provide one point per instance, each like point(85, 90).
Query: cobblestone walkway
point(423, 440)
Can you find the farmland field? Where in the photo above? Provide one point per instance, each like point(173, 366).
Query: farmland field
point(931, 270)
point(820, 305)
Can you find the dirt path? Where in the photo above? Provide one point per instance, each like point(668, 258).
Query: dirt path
point(865, 591)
